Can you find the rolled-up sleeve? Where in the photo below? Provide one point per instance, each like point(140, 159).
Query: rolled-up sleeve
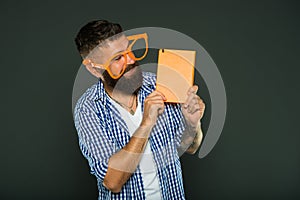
point(178, 123)
point(93, 142)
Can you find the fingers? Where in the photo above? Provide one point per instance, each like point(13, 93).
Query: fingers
point(154, 106)
point(196, 107)
point(193, 103)
point(191, 96)
point(155, 98)
point(193, 89)
point(157, 93)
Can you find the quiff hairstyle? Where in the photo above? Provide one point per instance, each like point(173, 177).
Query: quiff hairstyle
point(94, 34)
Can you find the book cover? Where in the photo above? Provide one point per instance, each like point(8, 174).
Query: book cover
point(175, 73)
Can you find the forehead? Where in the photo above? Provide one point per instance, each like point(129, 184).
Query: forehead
point(115, 46)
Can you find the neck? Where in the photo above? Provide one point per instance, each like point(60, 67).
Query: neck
point(126, 100)
point(118, 95)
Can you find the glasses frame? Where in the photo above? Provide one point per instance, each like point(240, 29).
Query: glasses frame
point(123, 54)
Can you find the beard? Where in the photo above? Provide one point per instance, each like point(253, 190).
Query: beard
point(127, 85)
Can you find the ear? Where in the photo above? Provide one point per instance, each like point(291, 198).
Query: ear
point(93, 69)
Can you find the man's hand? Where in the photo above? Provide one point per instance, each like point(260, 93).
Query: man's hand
point(193, 108)
point(153, 106)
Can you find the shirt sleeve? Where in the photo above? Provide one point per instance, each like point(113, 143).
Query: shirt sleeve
point(178, 123)
point(93, 142)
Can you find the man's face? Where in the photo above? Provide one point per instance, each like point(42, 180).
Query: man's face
point(131, 80)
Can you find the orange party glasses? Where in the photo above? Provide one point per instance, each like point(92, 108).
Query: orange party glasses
point(137, 50)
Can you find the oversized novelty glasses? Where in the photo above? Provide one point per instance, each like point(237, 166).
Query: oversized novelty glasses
point(135, 51)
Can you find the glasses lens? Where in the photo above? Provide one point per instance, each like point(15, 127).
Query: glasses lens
point(116, 58)
point(139, 48)
point(117, 61)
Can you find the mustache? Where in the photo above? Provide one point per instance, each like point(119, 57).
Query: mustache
point(131, 66)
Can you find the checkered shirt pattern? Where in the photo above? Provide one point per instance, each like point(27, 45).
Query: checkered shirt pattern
point(102, 132)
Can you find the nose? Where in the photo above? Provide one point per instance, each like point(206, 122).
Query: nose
point(130, 60)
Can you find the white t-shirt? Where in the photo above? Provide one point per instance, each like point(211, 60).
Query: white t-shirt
point(147, 166)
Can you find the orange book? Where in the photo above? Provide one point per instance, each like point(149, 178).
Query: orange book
point(175, 73)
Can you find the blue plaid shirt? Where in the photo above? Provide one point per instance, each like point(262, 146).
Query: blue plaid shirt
point(102, 132)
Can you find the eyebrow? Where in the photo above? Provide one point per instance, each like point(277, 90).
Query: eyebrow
point(122, 50)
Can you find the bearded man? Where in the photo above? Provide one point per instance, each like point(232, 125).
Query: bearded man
point(127, 132)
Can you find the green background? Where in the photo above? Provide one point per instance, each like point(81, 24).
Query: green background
point(255, 45)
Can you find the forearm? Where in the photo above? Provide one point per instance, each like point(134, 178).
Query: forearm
point(123, 163)
point(191, 139)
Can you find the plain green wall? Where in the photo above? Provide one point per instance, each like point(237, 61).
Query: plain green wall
point(255, 45)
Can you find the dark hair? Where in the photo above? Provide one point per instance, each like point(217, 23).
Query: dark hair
point(94, 33)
